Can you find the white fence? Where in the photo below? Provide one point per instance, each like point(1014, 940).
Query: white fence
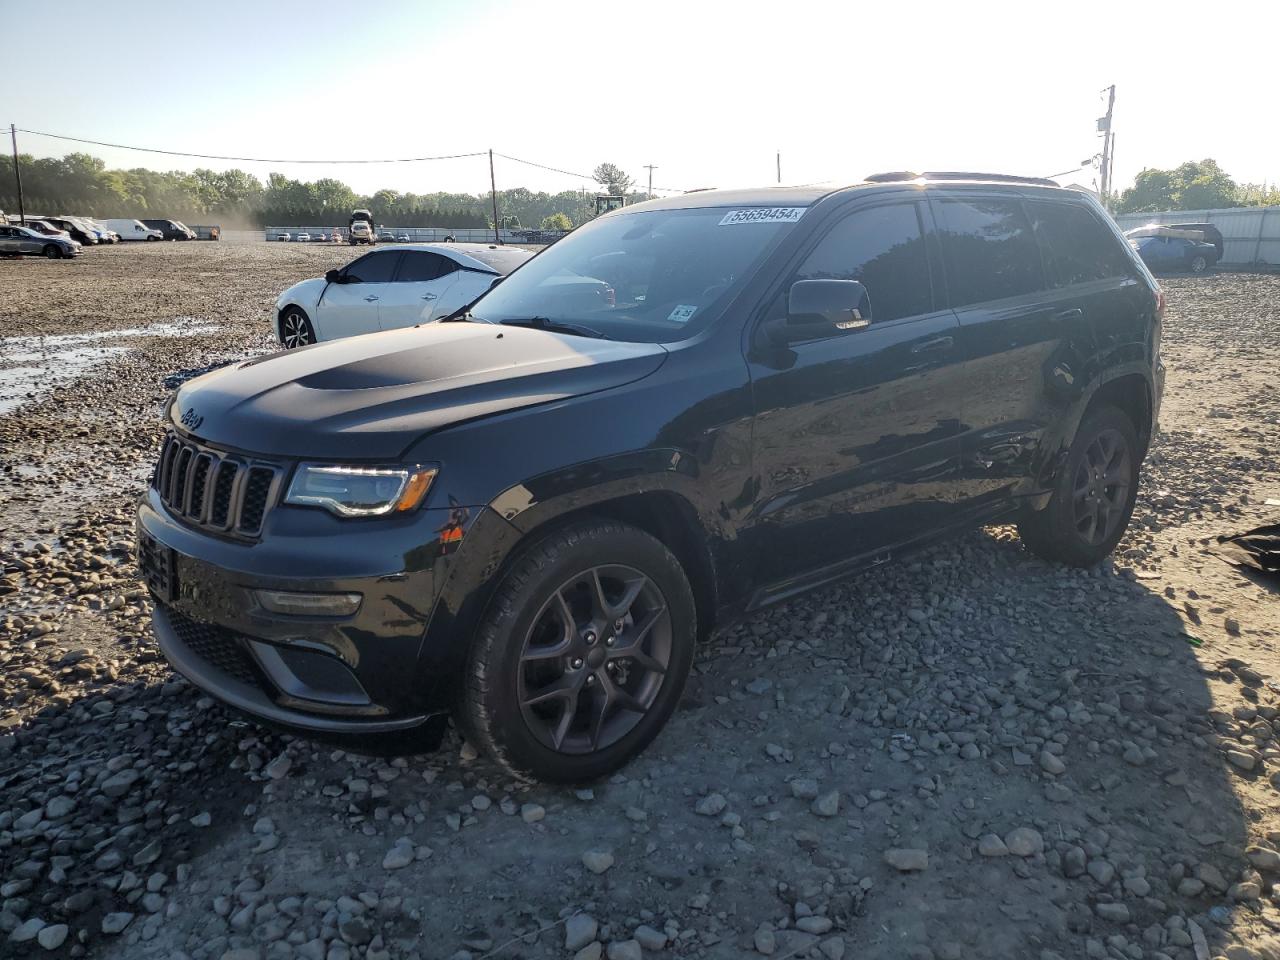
point(1251, 235)
point(424, 234)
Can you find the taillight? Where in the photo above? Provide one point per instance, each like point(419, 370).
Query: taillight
point(1159, 303)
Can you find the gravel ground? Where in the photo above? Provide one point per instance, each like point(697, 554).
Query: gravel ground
point(965, 754)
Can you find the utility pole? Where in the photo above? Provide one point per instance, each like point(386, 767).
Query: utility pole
point(1104, 127)
point(779, 167)
point(17, 173)
point(650, 167)
point(493, 189)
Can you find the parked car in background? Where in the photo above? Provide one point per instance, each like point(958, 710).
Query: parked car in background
point(403, 238)
point(171, 229)
point(39, 226)
point(206, 232)
point(1166, 251)
point(1206, 232)
point(133, 229)
point(112, 235)
point(22, 240)
point(386, 236)
point(393, 288)
point(303, 238)
point(531, 521)
point(284, 235)
point(91, 226)
point(74, 230)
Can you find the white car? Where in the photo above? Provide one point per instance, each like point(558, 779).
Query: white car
point(303, 238)
point(391, 288)
point(285, 236)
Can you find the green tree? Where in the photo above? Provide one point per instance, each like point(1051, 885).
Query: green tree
point(1190, 186)
point(612, 179)
point(557, 221)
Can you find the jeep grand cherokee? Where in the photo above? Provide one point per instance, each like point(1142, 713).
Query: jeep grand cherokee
point(527, 522)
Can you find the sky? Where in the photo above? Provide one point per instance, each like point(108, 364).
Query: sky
point(706, 91)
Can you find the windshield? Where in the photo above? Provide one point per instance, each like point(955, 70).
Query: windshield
point(656, 277)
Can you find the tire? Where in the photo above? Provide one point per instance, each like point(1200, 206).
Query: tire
point(548, 690)
point(52, 251)
point(1199, 263)
point(1086, 516)
point(295, 329)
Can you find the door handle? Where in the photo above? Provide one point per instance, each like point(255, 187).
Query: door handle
point(1075, 313)
point(428, 296)
point(937, 343)
point(370, 298)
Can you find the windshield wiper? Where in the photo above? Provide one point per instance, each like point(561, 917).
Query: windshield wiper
point(555, 326)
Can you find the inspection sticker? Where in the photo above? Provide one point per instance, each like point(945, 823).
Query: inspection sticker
point(681, 313)
point(763, 215)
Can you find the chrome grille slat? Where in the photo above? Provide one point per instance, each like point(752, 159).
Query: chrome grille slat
point(218, 491)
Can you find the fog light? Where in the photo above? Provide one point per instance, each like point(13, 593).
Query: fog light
point(309, 604)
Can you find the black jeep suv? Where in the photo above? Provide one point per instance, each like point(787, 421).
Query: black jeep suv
point(683, 411)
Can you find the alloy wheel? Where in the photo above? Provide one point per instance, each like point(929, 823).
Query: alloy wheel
point(1101, 487)
point(1199, 265)
point(295, 330)
point(594, 659)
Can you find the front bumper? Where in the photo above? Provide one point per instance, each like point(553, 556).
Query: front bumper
point(360, 674)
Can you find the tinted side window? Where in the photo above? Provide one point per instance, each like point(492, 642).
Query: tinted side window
point(1080, 248)
point(990, 250)
point(883, 248)
point(419, 266)
point(375, 268)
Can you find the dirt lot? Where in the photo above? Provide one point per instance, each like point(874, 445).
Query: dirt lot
point(968, 754)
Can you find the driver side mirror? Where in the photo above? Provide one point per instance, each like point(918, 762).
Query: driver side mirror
point(332, 276)
point(817, 309)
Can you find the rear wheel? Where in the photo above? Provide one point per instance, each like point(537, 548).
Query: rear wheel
point(582, 655)
point(1199, 263)
point(295, 329)
point(1093, 496)
point(52, 251)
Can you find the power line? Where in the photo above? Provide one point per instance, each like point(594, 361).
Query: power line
point(218, 156)
point(571, 173)
point(215, 156)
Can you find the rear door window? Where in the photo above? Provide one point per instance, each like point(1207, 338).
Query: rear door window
point(375, 268)
point(883, 247)
point(990, 251)
point(419, 266)
point(1078, 247)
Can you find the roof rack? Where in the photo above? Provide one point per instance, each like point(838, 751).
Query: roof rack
point(900, 176)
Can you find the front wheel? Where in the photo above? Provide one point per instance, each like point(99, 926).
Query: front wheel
point(582, 655)
point(1199, 264)
point(52, 251)
point(295, 329)
point(1093, 495)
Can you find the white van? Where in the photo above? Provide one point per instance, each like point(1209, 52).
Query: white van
point(133, 230)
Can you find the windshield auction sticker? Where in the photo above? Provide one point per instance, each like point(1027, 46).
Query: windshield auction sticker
point(763, 215)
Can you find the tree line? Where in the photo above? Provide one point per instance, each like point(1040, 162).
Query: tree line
point(81, 185)
point(1194, 185)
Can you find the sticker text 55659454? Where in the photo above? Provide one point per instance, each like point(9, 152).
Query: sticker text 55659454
point(763, 215)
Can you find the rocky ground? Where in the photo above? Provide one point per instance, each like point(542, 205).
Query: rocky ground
point(966, 754)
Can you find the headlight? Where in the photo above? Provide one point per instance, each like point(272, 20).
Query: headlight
point(359, 491)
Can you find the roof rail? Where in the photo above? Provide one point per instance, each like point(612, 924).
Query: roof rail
point(904, 175)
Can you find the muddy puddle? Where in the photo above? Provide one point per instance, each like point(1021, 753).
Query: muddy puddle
point(32, 366)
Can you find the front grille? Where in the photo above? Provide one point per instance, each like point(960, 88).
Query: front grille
point(218, 647)
point(217, 491)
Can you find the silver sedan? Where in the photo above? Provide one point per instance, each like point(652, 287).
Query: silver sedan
point(20, 240)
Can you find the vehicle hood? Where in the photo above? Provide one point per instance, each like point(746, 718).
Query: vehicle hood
point(371, 397)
